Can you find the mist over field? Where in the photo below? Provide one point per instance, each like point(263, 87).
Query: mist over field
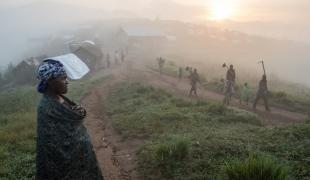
point(27, 26)
point(144, 89)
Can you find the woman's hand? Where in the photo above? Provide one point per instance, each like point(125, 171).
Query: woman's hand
point(80, 109)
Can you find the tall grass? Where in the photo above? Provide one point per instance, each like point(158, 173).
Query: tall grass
point(213, 134)
point(169, 155)
point(17, 133)
point(256, 167)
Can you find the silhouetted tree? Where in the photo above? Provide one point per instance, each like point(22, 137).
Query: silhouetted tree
point(9, 73)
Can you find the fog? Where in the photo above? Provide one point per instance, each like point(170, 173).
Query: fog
point(275, 31)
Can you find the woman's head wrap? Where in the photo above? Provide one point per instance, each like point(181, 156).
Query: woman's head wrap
point(49, 69)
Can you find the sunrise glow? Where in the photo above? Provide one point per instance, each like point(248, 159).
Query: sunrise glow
point(222, 9)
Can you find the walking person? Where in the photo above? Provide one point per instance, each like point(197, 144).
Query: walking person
point(194, 79)
point(122, 56)
point(262, 93)
point(180, 73)
point(116, 57)
point(108, 60)
point(229, 84)
point(161, 63)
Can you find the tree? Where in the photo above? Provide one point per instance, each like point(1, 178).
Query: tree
point(9, 73)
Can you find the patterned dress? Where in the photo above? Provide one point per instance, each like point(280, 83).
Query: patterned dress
point(64, 149)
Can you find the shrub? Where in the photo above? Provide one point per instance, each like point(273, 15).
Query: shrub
point(169, 155)
point(256, 168)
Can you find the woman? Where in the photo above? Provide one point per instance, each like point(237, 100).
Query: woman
point(64, 150)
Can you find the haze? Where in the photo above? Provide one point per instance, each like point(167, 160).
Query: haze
point(24, 22)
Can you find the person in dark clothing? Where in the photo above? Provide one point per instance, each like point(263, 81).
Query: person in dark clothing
point(194, 79)
point(108, 60)
point(64, 150)
point(116, 57)
point(161, 63)
point(122, 56)
point(231, 74)
point(180, 74)
point(262, 93)
point(229, 84)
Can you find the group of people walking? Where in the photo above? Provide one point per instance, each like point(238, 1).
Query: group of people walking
point(244, 91)
point(229, 85)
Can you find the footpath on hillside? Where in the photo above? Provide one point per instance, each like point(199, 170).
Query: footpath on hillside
point(116, 156)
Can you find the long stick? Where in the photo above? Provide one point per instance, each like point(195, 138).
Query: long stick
point(264, 67)
point(262, 62)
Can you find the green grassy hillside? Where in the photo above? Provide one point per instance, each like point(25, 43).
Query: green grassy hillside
point(198, 139)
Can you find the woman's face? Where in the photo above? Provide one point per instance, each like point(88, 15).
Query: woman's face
point(59, 85)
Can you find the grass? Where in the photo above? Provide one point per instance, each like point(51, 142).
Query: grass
point(17, 133)
point(185, 139)
point(291, 102)
point(256, 167)
point(171, 155)
point(203, 135)
point(18, 127)
point(296, 99)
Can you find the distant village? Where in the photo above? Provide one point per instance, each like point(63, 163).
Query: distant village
point(95, 43)
point(89, 45)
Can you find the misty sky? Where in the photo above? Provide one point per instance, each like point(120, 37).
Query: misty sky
point(284, 19)
point(286, 11)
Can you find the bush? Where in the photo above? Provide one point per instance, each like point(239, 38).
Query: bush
point(176, 151)
point(256, 168)
point(169, 155)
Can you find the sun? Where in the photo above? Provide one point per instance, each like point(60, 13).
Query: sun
point(222, 9)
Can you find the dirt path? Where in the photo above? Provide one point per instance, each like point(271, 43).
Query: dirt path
point(275, 117)
point(117, 156)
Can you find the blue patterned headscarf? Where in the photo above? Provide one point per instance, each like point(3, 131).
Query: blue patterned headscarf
point(49, 69)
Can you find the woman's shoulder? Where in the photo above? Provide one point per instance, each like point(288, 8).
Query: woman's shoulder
point(45, 103)
point(72, 103)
